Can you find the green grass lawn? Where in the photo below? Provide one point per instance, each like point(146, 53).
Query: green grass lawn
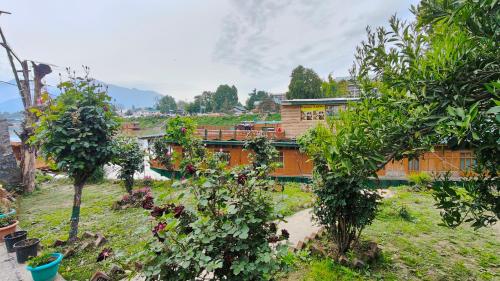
point(419, 250)
point(46, 212)
point(228, 120)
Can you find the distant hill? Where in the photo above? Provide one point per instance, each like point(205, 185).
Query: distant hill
point(120, 96)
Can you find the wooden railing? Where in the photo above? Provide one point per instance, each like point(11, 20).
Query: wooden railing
point(237, 134)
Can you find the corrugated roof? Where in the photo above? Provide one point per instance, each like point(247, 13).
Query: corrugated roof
point(319, 101)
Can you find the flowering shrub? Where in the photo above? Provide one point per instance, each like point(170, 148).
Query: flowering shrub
point(139, 197)
point(227, 233)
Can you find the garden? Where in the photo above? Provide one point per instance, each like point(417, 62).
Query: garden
point(432, 81)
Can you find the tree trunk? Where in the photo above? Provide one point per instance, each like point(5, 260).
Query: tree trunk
point(75, 215)
point(28, 166)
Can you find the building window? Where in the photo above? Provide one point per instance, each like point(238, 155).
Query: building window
point(280, 159)
point(413, 165)
point(467, 161)
point(224, 155)
point(312, 112)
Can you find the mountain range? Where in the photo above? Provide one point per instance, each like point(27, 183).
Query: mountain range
point(126, 98)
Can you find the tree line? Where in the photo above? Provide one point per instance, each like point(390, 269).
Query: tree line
point(305, 83)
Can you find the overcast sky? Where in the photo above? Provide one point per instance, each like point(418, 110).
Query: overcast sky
point(182, 47)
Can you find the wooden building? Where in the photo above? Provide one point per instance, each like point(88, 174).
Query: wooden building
point(297, 116)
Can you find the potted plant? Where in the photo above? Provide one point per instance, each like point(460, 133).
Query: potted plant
point(44, 267)
point(5, 211)
point(13, 238)
point(26, 248)
point(7, 226)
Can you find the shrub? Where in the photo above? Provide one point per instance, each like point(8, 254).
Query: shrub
point(420, 180)
point(130, 158)
point(228, 230)
point(344, 159)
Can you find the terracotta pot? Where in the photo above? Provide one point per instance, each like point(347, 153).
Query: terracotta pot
point(8, 230)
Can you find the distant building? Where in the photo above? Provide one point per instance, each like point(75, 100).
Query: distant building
point(238, 110)
point(352, 87)
point(278, 98)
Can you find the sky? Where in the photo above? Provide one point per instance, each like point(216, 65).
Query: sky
point(184, 47)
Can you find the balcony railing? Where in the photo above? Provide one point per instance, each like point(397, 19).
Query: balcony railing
point(238, 134)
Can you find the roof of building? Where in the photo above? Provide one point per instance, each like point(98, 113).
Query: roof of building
point(326, 101)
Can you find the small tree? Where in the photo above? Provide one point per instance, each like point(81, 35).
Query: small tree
point(345, 154)
point(77, 133)
point(130, 158)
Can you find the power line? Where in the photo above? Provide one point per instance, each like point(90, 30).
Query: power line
point(8, 83)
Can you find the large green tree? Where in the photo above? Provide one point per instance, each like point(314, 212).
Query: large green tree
point(225, 98)
point(166, 104)
point(255, 96)
point(76, 132)
point(304, 84)
point(447, 65)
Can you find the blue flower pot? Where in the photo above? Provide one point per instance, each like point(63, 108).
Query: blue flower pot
point(46, 272)
point(11, 213)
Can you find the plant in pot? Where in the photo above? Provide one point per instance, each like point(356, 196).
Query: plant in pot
point(5, 209)
point(45, 267)
point(7, 226)
point(13, 238)
point(26, 248)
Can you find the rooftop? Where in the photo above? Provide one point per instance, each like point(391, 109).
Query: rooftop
point(326, 101)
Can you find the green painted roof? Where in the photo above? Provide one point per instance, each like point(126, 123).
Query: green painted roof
point(328, 101)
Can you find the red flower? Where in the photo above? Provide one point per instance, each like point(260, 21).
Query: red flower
point(178, 211)
point(273, 239)
point(242, 178)
point(148, 202)
point(284, 234)
point(157, 211)
point(183, 130)
point(190, 169)
point(272, 227)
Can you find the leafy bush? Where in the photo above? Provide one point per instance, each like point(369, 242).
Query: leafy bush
point(136, 198)
point(130, 158)
point(344, 159)
point(226, 234)
point(420, 180)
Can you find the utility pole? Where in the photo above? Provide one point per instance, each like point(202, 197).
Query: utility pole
point(28, 151)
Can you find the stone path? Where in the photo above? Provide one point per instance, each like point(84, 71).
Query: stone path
point(300, 226)
point(10, 270)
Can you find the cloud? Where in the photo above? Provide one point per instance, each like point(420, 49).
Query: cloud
point(263, 37)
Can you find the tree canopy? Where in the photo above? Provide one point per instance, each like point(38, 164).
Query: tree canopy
point(255, 96)
point(446, 70)
point(304, 84)
point(225, 98)
point(166, 104)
